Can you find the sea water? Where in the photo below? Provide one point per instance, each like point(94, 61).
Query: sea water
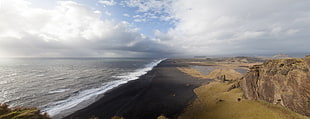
point(64, 85)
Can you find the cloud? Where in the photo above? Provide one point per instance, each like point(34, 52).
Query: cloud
point(242, 27)
point(126, 15)
point(200, 27)
point(210, 27)
point(139, 20)
point(69, 29)
point(157, 6)
point(107, 13)
point(152, 9)
point(107, 2)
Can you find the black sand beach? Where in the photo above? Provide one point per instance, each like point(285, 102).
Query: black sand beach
point(163, 91)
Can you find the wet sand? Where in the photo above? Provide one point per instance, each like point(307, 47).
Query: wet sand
point(163, 91)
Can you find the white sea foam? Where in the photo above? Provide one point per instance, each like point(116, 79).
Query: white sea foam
point(58, 91)
point(86, 97)
point(3, 82)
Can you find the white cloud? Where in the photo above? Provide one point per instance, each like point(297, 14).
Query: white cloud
point(137, 16)
point(107, 2)
point(157, 6)
point(126, 15)
point(210, 27)
point(152, 9)
point(107, 13)
point(97, 12)
point(202, 27)
point(292, 31)
point(69, 29)
point(139, 20)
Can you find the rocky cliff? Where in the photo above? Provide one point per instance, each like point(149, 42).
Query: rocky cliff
point(280, 81)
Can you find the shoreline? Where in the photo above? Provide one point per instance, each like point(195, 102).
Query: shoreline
point(86, 97)
point(162, 91)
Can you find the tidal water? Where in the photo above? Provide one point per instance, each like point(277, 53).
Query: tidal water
point(62, 85)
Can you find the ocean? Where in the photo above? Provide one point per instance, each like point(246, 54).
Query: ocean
point(63, 85)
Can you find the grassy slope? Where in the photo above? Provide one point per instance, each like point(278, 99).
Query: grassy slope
point(21, 113)
point(229, 73)
point(216, 101)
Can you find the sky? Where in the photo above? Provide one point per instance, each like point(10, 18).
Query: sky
point(153, 28)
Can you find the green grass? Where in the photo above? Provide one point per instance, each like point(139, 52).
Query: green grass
point(216, 102)
point(21, 113)
point(230, 74)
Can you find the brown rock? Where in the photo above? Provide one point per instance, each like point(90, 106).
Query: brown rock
point(280, 81)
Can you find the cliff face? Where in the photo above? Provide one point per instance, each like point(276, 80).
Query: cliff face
point(280, 81)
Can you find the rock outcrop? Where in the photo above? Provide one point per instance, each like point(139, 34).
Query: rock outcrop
point(280, 81)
